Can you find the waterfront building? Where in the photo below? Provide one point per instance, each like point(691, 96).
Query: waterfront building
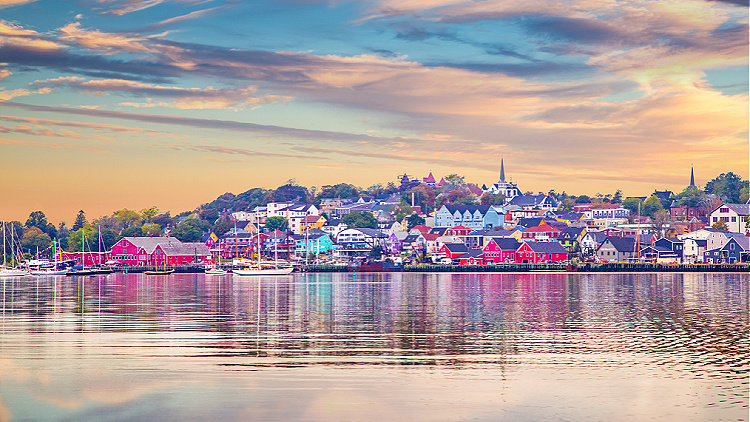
point(158, 251)
point(734, 215)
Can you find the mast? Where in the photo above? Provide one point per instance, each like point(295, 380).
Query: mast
point(638, 234)
point(3, 244)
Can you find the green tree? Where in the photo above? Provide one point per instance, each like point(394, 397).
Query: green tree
point(126, 218)
point(151, 230)
point(402, 210)
point(492, 199)
point(276, 223)
point(358, 219)
point(163, 220)
point(222, 226)
point(35, 239)
point(74, 239)
point(583, 199)
point(455, 180)
point(108, 238)
point(131, 232)
point(39, 220)
point(727, 187)
point(147, 214)
point(375, 252)
point(651, 206)
point(632, 205)
point(80, 221)
point(414, 220)
point(617, 197)
point(720, 225)
point(190, 230)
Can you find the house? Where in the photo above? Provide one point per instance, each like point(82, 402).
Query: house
point(734, 215)
point(419, 229)
point(394, 242)
point(279, 244)
point(453, 250)
point(500, 250)
point(236, 242)
point(475, 217)
point(299, 225)
point(542, 233)
point(314, 242)
point(571, 238)
point(673, 245)
point(472, 257)
point(736, 249)
point(693, 250)
point(535, 202)
point(357, 242)
point(459, 231)
point(659, 254)
point(430, 242)
point(540, 252)
point(333, 227)
point(159, 251)
point(616, 249)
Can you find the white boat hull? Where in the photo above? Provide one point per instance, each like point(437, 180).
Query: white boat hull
point(9, 272)
point(264, 271)
point(49, 272)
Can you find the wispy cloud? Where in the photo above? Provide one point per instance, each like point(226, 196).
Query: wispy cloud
point(186, 98)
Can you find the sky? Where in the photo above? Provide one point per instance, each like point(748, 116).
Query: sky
point(112, 104)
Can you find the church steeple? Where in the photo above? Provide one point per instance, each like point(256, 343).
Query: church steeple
point(502, 171)
point(692, 178)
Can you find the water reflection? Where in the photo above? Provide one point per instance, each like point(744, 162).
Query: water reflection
point(593, 327)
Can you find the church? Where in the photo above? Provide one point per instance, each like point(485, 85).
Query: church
point(508, 189)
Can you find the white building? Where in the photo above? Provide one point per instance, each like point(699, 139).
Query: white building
point(734, 215)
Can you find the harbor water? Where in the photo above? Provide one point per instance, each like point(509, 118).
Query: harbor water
point(376, 347)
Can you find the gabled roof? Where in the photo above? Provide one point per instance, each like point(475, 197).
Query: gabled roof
point(370, 232)
point(571, 232)
point(547, 247)
point(430, 237)
point(530, 222)
point(740, 209)
point(149, 244)
point(456, 247)
point(422, 228)
point(506, 243)
point(541, 229)
point(622, 244)
point(438, 230)
point(471, 208)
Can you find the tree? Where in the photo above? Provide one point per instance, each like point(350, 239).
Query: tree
point(151, 230)
point(651, 206)
point(402, 210)
point(358, 219)
point(659, 222)
point(147, 214)
point(35, 239)
point(126, 218)
point(276, 223)
point(290, 192)
point(632, 205)
point(617, 197)
point(583, 199)
point(488, 198)
point(80, 221)
point(163, 220)
point(727, 187)
point(131, 232)
point(414, 220)
point(222, 226)
point(74, 239)
point(455, 180)
point(720, 225)
point(375, 252)
point(190, 230)
point(39, 220)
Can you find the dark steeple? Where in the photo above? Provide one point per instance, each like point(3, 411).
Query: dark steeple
point(692, 178)
point(502, 171)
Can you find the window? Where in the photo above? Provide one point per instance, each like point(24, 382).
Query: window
point(724, 209)
point(734, 219)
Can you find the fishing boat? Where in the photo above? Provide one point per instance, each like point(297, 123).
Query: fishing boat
point(5, 271)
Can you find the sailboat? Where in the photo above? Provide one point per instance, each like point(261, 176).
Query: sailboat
point(12, 271)
point(45, 271)
point(83, 270)
point(259, 270)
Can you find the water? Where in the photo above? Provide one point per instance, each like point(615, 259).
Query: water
point(376, 347)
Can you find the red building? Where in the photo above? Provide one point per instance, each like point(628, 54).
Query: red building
point(500, 250)
point(543, 232)
point(541, 252)
point(458, 231)
point(158, 251)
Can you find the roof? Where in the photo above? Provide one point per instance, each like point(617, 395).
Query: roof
point(506, 243)
point(541, 229)
point(471, 208)
point(430, 237)
point(740, 209)
point(456, 247)
point(622, 244)
point(370, 232)
point(530, 222)
point(149, 244)
point(547, 247)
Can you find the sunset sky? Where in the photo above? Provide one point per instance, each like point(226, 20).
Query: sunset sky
point(111, 104)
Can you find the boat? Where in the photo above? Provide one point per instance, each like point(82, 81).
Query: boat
point(43, 267)
point(5, 271)
point(263, 271)
point(159, 272)
point(215, 270)
point(258, 269)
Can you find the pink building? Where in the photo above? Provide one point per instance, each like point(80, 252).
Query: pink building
point(158, 251)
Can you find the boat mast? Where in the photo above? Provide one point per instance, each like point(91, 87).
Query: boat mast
point(3, 244)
